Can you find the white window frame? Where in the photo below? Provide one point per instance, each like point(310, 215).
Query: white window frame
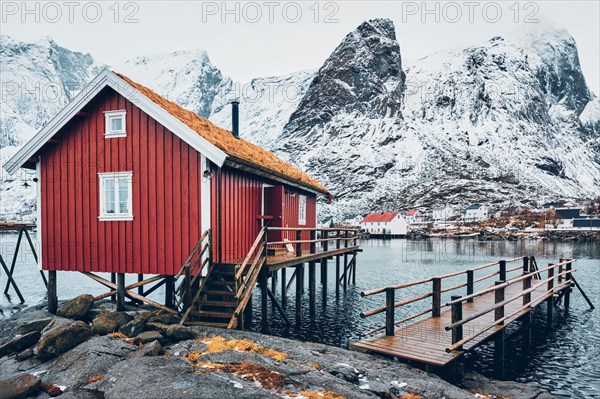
point(108, 117)
point(102, 177)
point(302, 210)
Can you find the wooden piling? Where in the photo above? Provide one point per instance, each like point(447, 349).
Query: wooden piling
point(273, 281)
point(568, 290)
point(436, 302)
point(299, 290)
point(337, 275)
point(141, 287)
point(113, 279)
point(120, 292)
point(283, 287)
point(52, 293)
point(550, 300)
point(169, 291)
point(345, 271)
point(499, 297)
point(264, 300)
point(470, 283)
point(312, 287)
point(390, 307)
point(502, 267)
point(456, 316)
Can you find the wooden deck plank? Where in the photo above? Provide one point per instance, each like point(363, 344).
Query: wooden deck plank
point(426, 340)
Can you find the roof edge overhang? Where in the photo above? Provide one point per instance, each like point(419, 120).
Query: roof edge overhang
point(241, 164)
point(110, 79)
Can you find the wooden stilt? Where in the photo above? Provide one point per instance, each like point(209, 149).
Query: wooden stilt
point(299, 280)
point(248, 313)
point(324, 280)
point(499, 353)
point(120, 292)
point(52, 294)
point(11, 280)
point(263, 301)
point(354, 269)
point(273, 280)
point(14, 260)
point(113, 279)
point(169, 291)
point(345, 271)
point(292, 279)
point(283, 288)
point(550, 300)
point(140, 288)
point(337, 275)
point(312, 287)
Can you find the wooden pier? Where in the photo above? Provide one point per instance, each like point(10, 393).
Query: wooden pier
point(465, 322)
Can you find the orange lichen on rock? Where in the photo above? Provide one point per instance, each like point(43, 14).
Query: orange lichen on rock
point(51, 389)
point(240, 150)
point(258, 374)
point(219, 344)
point(321, 395)
point(193, 356)
point(118, 335)
point(94, 379)
point(316, 366)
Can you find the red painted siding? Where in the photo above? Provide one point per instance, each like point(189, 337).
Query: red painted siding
point(166, 195)
point(242, 199)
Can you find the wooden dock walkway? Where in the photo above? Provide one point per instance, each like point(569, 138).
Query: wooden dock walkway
point(470, 320)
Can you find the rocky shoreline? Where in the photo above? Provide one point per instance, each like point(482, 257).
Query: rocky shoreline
point(90, 351)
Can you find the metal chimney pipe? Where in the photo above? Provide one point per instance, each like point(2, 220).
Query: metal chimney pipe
point(235, 119)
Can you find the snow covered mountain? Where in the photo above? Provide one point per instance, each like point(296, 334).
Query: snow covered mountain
point(509, 120)
point(497, 123)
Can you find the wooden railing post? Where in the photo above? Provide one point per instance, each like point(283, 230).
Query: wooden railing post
point(499, 297)
point(568, 292)
point(502, 265)
point(457, 332)
point(525, 265)
point(313, 237)
point(390, 302)
point(436, 297)
point(298, 244)
point(526, 286)
point(551, 297)
point(346, 239)
point(338, 243)
point(325, 236)
point(470, 283)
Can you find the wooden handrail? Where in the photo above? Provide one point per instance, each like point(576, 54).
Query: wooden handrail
point(508, 282)
point(257, 241)
point(549, 293)
point(314, 229)
point(397, 287)
point(202, 238)
point(414, 316)
point(502, 303)
point(396, 305)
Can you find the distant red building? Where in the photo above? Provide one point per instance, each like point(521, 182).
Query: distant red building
point(128, 181)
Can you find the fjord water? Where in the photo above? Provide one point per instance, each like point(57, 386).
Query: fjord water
point(564, 359)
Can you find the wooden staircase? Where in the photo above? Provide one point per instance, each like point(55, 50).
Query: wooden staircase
point(219, 298)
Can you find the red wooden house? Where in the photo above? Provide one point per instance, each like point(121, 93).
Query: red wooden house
point(129, 181)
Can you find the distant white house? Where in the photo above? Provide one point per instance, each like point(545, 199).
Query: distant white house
point(442, 213)
point(476, 213)
point(386, 223)
point(414, 216)
point(565, 216)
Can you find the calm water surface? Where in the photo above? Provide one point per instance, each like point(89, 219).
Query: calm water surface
point(564, 359)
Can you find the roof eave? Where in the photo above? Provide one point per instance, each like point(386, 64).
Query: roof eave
point(104, 79)
point(242, 164)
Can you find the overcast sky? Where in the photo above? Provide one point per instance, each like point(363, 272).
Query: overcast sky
point(264, 38)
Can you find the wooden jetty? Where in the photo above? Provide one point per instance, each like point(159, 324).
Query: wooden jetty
point(465, 322)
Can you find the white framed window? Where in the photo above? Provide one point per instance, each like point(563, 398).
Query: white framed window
point(115, 196)
point(302, 209)
point(115, 123)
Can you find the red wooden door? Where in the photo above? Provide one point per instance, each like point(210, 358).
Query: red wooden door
point(274, 210)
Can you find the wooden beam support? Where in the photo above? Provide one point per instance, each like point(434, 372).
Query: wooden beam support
point(120, 292)
point(299, 273)
point(283, 288)
point(14, 260)
point(312, 287)
point(52, 294)
point(11, 280)
point(278, 307)
point(263, 300)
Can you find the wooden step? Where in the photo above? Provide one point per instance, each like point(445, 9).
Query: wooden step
point(218, 293)
point(206, 323)
point(211, 313)
point(221, 283)
point(219, 304)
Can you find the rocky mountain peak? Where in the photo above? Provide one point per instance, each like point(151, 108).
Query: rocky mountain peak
point(363, 75)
